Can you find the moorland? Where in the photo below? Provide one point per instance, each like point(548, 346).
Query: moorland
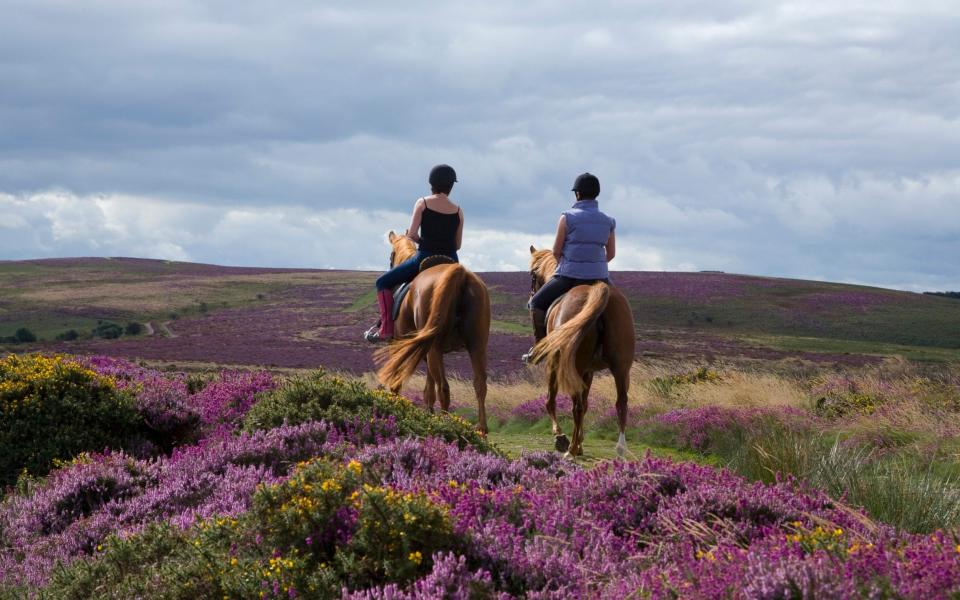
point(213, 431)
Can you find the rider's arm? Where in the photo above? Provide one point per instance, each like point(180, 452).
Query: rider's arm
point(413, 232)
point(460, 229)
point(611, 246)
point(561, 237)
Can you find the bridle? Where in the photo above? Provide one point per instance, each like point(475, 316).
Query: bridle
point(535, 284)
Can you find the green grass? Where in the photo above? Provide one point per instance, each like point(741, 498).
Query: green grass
point(48, 327)
point(510, 327)
point(368, 298)
point(839, 346)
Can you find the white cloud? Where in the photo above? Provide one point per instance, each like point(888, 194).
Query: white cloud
point(799, 139)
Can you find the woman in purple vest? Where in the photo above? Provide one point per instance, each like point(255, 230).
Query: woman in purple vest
point(585, 243)
point(437, 228)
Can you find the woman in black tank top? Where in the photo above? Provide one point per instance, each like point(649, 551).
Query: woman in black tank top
point(436, 230)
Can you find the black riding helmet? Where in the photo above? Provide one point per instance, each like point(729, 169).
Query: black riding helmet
point(443, 176)
point(588, 185)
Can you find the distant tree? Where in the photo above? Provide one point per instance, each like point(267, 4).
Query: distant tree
point(133, 328)
point(24, 336)
point(203, 307)
point(107, 330)
point(944, 294)
point(68, 336)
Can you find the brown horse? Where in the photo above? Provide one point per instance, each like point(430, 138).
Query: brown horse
point(588, 329)
point(446, 309)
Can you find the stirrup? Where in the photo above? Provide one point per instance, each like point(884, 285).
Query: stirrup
point(372, 335)
point(528, 357)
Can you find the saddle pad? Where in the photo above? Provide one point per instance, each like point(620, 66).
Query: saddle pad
point(398, 295)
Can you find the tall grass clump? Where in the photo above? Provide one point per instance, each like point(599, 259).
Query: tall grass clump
point(896, 489)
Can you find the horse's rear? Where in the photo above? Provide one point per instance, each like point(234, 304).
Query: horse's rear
point(446, 309)
point(588, 330)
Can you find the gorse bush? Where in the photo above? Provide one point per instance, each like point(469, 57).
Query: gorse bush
point(55, 408)
point(352, 406)
point(326, 529)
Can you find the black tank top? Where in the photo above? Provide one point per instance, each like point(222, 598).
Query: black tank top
point(438, 231)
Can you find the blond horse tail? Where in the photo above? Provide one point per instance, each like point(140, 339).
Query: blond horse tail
point(402, 356)
point(559, 348)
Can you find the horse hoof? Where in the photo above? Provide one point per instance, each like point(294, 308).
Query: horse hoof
point(561, 443)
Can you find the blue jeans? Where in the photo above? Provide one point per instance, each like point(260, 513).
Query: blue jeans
point(406, 271)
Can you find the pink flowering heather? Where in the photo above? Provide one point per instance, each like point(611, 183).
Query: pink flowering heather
point(533, 410)
point(224, 401)
point(77, 507)
point(167, 406)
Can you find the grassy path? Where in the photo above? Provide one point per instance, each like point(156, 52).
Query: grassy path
point(595, 448)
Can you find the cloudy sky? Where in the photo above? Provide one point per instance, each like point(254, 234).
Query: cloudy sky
point(800, 139)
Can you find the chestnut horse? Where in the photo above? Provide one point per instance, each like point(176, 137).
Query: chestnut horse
point(589, 329)
point(446, 309)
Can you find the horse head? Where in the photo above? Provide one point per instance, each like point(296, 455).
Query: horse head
point(403, 248)
point(542, 265)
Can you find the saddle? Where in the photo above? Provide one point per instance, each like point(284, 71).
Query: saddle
point(401, 290)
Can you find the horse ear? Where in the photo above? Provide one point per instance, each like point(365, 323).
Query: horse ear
point(532, 249)
point(391, 236)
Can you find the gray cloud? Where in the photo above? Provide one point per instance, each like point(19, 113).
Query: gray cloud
point(813, 139)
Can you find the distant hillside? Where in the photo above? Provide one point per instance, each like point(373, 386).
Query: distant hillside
point(304, 318)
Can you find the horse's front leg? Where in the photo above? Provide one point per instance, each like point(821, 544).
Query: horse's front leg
point(580, 405)
point(561, 443)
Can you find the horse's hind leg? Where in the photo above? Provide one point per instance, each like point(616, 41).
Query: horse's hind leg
point(561, 443)
point(436, 379)
point(478, 360)
point(622, 378)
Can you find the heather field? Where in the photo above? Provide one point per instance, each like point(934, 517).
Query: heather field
point(787, 440)
point(191, 314)
point(243, 484)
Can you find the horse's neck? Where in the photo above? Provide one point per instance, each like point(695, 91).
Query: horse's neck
point(404, 253)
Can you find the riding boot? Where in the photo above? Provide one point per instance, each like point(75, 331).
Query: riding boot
point(539, 318)
point(385, 333)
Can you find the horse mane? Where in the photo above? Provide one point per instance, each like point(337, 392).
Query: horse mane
point(403, 249)
point(543, 263)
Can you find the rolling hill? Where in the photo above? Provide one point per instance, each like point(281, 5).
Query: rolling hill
point(303, 318)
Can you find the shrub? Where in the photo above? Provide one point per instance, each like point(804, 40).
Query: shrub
point(25, 336)
point(133, 328)
point(68, 336)
point(350, 405)
point(54, 408)
point(107, 330)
